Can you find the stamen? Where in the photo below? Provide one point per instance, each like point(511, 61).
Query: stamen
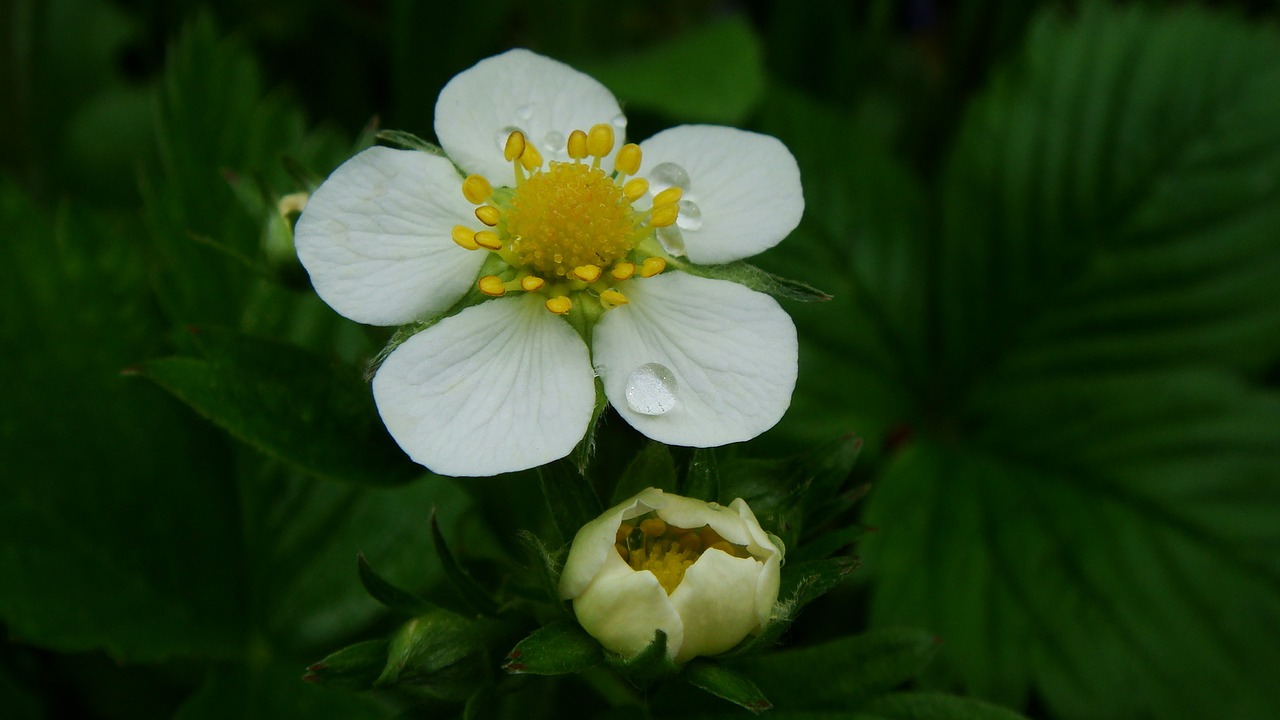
point(465, 237)
point(492, 286)
point(670, 196)
point(577, 145)
point(664, 215)
point(530, 283)
point(476, 189)
point(624, 532)
point(587, 273)
point(623, 271)
point(613, 298)
point(488, 214)
point(652, 266)
point(514, 147)
point(653, 527)
point(690, 542)
point(488, 239)
point(628, 160)
point(530, 159)
point(559, 304)
point(600, 140)
point(634, 188)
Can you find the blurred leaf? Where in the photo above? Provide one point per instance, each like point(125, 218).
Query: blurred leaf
point(702, 481)
point(802, 583)
point(1106, 275)
point(569, 496)
point(288, 403)
point(713, 73)
point(354, 667)
point(932, 706)
point(653, 466)
point(555, 649)
point(726, 684)
point(473, 596)
point(274, 691)
point(389, 595)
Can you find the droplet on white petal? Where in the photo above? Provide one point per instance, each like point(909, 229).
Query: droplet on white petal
point(651, 389)
point(671, 240)
point(667, 175)
point(690, 217)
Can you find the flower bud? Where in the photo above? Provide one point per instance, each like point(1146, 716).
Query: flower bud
point(705, 574)
point(438, 655)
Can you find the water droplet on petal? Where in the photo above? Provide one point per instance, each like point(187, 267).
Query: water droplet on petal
point(667, 174)
point(553, 142)
point(671, 240)
point(651, 389)
point(525, 112)
point(620, 121)
point(690, 217)
point(505, 133)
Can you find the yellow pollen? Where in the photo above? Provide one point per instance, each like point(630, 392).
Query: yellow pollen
point(587, 273)
point(663, 215)
point(492, 286)
point(613, 298)
point(623, 271)
point(559, 304)
point(628, 160)
point(567, 216)
point(514, 147)
point(634, 188)
point(465, 237)
point(488, 214)
point(670, 196)
point(529, 283)
point(488, 239)
point(577, 145)
point(600, 140)
point(652, 266)
point(476, 189)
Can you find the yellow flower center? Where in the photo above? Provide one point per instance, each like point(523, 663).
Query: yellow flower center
point(569, 230)
point(668, 551)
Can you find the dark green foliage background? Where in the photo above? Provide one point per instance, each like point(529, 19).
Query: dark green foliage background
point(1051, 229)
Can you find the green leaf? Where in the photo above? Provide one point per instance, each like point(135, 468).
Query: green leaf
point(274, 691)
point(354, 667)
point(841, 674)
point(653, 466)
point(439, 656)
point(1091, 514)
point(472, 594)
point(389, 595)
point(570, 498)
point(702, 481)
point(544, 564)
point(555, 649)
point(932, 706)
point(726, 684)
point(713, 73)
point(289, 403)
point(759, 280)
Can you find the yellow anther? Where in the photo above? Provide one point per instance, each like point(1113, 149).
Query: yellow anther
point(652, 266)
point(628, 160)
point(624, 532)
point(670, 196)
point(664, 215)
point(476, 189)
point(587, 273)
point(292, 203)
point(492, 286)
point(577, 145)
point(515, 146)
point(722, 546)
point(465, 237)
point(531, 159)
point(709, 536)
point(634, 188)
point(600, 140)
point(623, 552)
point(623, 270)
point(488, 239)
point(690, 542)
point(488, 214)
point(613, 298)
point(529, 283)
point(653, 527)
point(559, 304)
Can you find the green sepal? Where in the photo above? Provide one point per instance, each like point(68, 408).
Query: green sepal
point(544, 565)
point(648, 666)
point(653, 466)
point(355, 667)
point(407, 141)
point(726, 684)
point(438, 655)
point(572, 501)
point(759, 280)
point(475, 598)
point(388, 594)
point(556, 649)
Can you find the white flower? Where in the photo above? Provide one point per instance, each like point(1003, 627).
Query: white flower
point(705, 574)
point(579, 245)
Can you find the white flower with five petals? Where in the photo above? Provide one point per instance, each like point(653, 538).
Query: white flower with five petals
point(580, 253)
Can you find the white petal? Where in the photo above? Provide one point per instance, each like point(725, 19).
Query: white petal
point(501, 386)
point(594, 542)
point(519, 90)
point(376, 237)
point(746, 187)
point(732, 352)
point(716, 601)
point(623, 609)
